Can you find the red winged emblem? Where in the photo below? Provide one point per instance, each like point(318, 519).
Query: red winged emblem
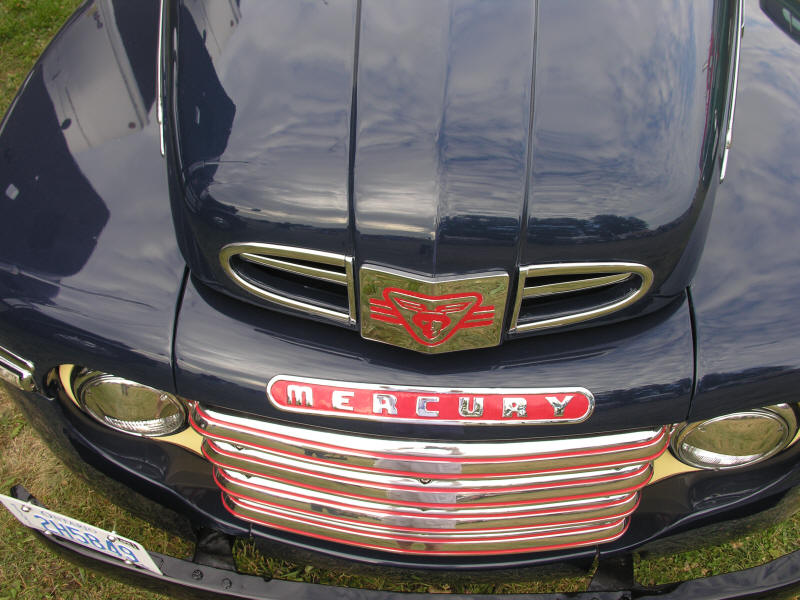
point(431, 320)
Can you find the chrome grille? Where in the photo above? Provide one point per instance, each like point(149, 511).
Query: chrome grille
point(322, 284)
point(438, 498)
point(311, 281)
point(553, 295)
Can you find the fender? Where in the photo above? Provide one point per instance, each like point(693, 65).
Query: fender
point(746, 288)
point(90, 272)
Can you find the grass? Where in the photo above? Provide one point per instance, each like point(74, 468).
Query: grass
point(28, 570)
point(25, 28)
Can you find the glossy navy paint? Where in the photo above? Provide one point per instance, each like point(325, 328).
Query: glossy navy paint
point(515, 150)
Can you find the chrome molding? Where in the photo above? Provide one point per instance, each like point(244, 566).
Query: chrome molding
point(609, 274)
point(434, 541)
point(536, 291)
point(258, 433)
point(16, 371)
point(294, 260)
point(290, 267)
point(452, 498)
point(463, 527)
point(160, 76)
point(738, 33)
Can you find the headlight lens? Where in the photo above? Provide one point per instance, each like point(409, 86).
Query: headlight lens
point(128, 406)
point(735, 440)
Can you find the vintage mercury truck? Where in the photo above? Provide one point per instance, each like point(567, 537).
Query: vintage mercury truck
point(452, 285)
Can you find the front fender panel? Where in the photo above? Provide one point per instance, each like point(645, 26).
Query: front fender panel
point(746, 288)
point(89, 268)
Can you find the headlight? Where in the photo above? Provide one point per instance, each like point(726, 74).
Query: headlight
point(128, 406)
point(735, 440)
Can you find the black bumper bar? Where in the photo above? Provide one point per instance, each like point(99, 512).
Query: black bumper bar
point(779, 578)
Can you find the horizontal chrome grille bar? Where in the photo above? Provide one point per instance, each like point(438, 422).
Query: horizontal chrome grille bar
point(455, 504)
point(248, 458)
point(510, 493)
point(434, 546)
point(299, 269)
point(536, 291)
point(486, 458)
point(426, 533)
point(437, 516)
point(429, 497)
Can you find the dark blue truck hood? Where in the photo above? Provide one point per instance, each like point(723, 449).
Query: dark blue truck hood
point(445, 138)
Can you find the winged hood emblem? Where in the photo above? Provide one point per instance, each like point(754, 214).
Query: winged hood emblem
point(431, 320)
point(432, 315)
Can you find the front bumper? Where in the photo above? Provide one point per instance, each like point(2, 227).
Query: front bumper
point(183, 578)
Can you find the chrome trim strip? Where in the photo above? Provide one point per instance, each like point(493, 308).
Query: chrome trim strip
point(571, 286)
point(242, 484)
point(16, 370)
point(438, 451)
point(437, 526)
point(289, 267)
point(453, 498)
point(414, 532)
point(334, 478)
point(645, 274)
point(434, 545)
point(432, 390)
point(460, 518)
point(351, 289)
point(245, 457)
point(734, 85)
point(328, 258)
point(232, 483)
point(429, 497)
point(263, 254)
point(160, 77)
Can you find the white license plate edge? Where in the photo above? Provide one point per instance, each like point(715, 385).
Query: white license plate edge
point(78, 532)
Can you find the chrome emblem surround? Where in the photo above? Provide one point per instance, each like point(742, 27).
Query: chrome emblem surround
point(430, 405)
point(432, 315)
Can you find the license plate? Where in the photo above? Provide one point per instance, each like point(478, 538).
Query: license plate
point(78, 532)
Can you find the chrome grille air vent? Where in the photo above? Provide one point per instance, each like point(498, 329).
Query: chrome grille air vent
point(429, 498)
point(311, 281)
point(567, 293)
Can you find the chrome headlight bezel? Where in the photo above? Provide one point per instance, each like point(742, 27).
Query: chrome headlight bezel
point(710, 444)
